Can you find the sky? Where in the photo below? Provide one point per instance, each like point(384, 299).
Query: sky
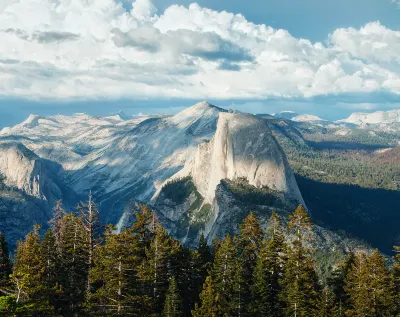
point(324, 57)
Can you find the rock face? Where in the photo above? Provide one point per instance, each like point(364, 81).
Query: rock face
point(201, 169)
point(242, 152)
point(25, 171)
point(242, 147)
point(27, 193)
point(119, 160)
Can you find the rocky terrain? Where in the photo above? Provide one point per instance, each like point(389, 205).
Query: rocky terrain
point(202, 170)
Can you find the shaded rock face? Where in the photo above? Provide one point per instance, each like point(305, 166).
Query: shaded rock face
point(28, 193)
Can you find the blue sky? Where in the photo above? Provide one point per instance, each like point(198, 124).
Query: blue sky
point(311, 19)
point(159, 56)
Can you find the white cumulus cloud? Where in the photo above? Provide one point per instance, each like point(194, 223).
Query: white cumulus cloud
point(99, 49)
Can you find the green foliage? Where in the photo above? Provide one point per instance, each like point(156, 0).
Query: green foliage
point(369, 286)
point(269, 272)
point(2, 181)
point(142, 271)
point(178, 190)
point(251, 195)
point(172, 306)
point(9, 306)
point(5, 263)
point(301, 288)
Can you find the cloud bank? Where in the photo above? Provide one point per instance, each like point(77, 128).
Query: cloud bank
point(96, 49)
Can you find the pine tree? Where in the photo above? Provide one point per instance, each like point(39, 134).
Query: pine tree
point(114, 277)
point(356, 287)
point(249, 245)
point(380, 285)
point(268, 275)
point(90, 220)
point(50, 258)
point(300, 281)
point(224, 275)
point(29, 276)
point(337, 282)
point(327, 307)
point(173, 305)
point(194, 266)
point(205, 257)
point(5, 266)
point(369, 286)
point(396, 280)
point(212, 304)
point(159, 266)
point(73, 256)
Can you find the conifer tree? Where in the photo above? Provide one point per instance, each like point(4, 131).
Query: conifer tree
point(5, 266)
point(268, 275)
point(114, 277)
point(369, 286)
point(159, 266)
point(396, 279)
point(212, 304)
point(90, 218)
point(327, 307)
point(50, 258)
point(73, 257)
point(380, 285)
point(356, 287)
point(194, 265)
point(205, 257)
point(29, 276)
point(337, 283)
point(249, 245)
point(173, 304)
point(300, 282)
point(224, 275)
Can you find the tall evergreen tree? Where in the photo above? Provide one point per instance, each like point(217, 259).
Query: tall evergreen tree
point(396, 280)
point(369, 286)
point(327, 307)
point(205, 257)
point(5, 266)
point(114, 277)
point(51, 260)
point(300, 282)
point(248, 249)
point(173, 304)
point(380, 285)
point(249, 245)
point(224, 275)
point(212, 304)
point(159, 266)
point(357, 282)
point(90, 221)
point(29, 276)
point(73, 257)
point(269, 272)
point(337, 283)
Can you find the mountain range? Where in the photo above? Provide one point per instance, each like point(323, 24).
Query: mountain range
point(203, 170)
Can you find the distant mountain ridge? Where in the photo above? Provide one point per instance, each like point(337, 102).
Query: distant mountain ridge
point(123, 160)
point(202, 170)
point(358, 118)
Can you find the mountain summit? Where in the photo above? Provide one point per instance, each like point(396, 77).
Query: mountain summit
point(135, 160)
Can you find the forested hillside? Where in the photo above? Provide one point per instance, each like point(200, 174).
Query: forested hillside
point(349, 178)
point(80, 268)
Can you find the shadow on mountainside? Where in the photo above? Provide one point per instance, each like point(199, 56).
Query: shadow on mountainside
point(372, 215)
